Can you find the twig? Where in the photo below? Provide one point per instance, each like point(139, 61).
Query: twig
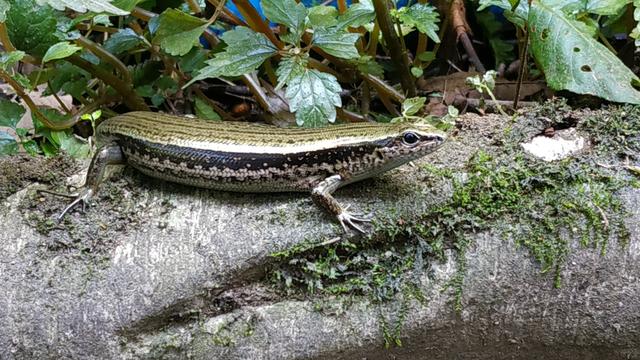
point(4, 38)
point(55, 95)
point(349, 116)
point(524, 55)
point(193, 6)
point(394, 45)
point(330, 241)
point(106, 56)
point(462, 30)
point(256, 22)
point(605, 221)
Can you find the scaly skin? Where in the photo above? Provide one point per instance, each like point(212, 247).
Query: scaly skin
point(244, 157)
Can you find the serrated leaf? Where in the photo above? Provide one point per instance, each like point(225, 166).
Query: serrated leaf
point(32, 28)
point(339, 44)
point(10, 113)
point(60, 50)
point(4, 7)
point(97, 6)
point(204, 110)
point(322, 15)
point(8, 144)
point(412, 105)
point(357, 15)
point(572, 60)
point(8, 59)
point(290, 67)
point(424, 17)
point(313, 96)
point(178, 32)
point(246, 51)
point(286, 12)
point(122, 41)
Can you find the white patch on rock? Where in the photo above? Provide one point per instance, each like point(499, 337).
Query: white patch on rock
point(562, 145)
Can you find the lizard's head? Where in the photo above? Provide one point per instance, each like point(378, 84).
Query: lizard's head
point(412, 141)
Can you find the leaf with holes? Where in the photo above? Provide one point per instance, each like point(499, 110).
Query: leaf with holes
point(313, 96)
point(84, 6)
point(572, 60)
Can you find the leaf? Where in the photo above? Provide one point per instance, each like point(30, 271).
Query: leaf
point(424, 17)
point(368, 65)
point(71, 144)
point(122, 41)
point(357, 15)
point(60, 50)
point(32, 28)
point(493, 28)
point(290, 67)
point(427, 56)
point(8, 144)
point(8, 59)
point(313, 96)
point(178, 31)
point(84, 6)
point(416, 71)
point(286, 12)
point(205, 111)
point(322, 15)
point(246, 51)
point(572, 60)
point(635, 33)
point(518, 16)
point(10, 113)
point(4, 7)
point(339, 44)
point(412, 105)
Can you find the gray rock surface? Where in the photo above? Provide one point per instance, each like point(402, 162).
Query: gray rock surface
point(151, 287)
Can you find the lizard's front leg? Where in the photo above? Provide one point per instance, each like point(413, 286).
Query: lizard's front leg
point(110, 154)
point(321, 194)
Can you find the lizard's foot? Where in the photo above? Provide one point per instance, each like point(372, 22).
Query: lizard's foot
point(82, 197)
point(349, 220)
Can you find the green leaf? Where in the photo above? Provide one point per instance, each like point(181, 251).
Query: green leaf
point(416, 71)
point(31, 147)
point(313, 96)
point(71, 144)
point(246, 51)
point(126, 5)
point(368, 65)
point(339, 44)
point(322, 15)
point(423, 16)
point(84, 6)
point(635, 33)
point(290, 67)
point(32, 28)
point(10, 113)
point(60, 50)
point(356, 15)
point(493, 28)
point(517, 16)
point(427, 56)
point(193, 60)
point(8, 59)
point(8, 144)
point(205, 111)
point(4, 7)
point(177, 31)
point(572, 60)
point(412, 105)
point(122, 41)
point(286, 12)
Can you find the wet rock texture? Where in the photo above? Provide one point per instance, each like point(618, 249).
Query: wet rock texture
point(184, 281)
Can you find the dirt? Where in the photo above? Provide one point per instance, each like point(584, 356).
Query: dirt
point(20, 170)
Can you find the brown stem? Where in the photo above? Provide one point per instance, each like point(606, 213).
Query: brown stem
point(342, 6)
point(55, 95)
point(32, 106)
point(258, 92)
point(523, 65)
point(462, 30)
point(142, 14)
point(223, 114)
point(4, 38)
point(473, 56)
point(256, 22)
point(193, 6)
point(383, 88)
point(106, 56)
point(392, 39)
point(349, 116)
point(130, 98)
point(228, 16)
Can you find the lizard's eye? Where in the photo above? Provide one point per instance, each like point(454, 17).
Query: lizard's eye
point(410, 138)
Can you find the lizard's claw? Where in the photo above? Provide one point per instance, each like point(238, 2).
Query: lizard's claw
point(349, 220)
point(83, 197)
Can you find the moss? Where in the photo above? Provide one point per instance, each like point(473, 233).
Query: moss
point(541, 206)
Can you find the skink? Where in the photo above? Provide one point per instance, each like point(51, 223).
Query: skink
point(243, 157)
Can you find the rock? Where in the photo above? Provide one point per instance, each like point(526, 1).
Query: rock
point(156, 270)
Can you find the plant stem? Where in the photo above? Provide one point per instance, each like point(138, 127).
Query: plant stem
point(398, 55)
point(256, 22)
point(193, 6)
point(130, 98)
point(106, 56)
point(383, 88)
point(32, 106)
point(4, 38)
